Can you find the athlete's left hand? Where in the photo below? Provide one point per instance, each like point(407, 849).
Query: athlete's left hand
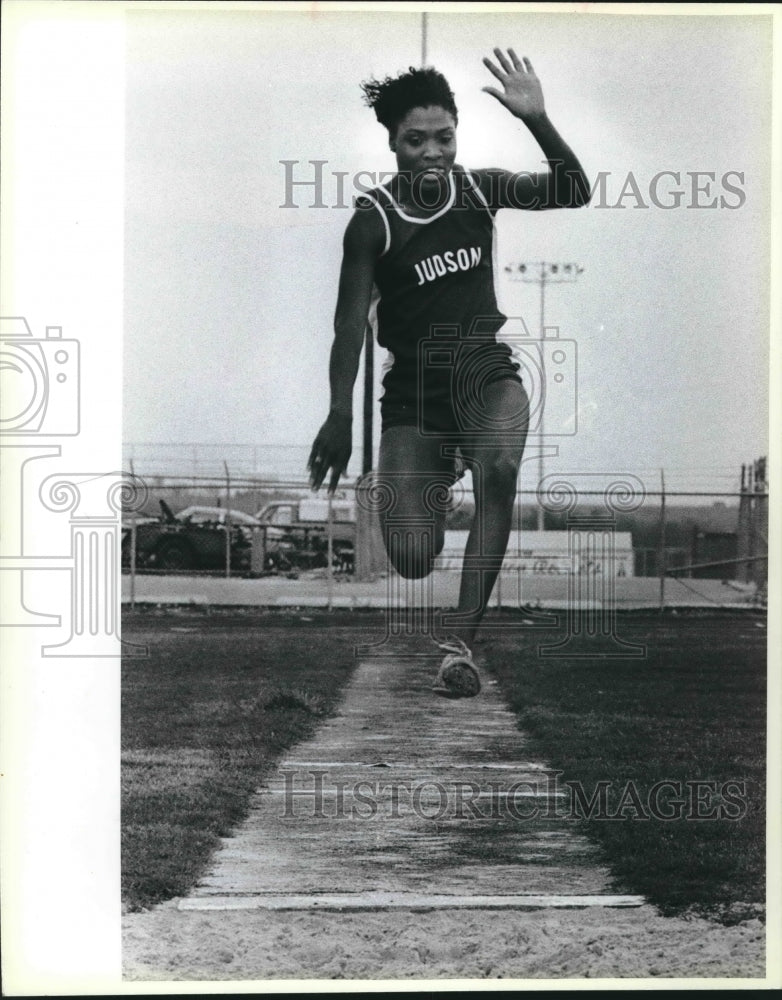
point(523, 95)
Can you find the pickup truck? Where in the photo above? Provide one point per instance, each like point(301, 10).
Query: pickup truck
point(296, 533)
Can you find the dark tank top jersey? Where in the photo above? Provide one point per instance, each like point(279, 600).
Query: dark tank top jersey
point(435, 277)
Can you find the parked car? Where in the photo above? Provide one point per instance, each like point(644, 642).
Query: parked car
point(217, 515)
point(192, 539)
point(297, 533)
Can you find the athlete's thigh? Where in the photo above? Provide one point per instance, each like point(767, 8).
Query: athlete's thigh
point(412, 467)
point(503, 427)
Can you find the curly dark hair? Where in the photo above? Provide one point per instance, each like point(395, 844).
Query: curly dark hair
point(393, 97)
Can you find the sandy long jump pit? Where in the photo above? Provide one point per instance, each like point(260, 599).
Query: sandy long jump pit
point(412, 837)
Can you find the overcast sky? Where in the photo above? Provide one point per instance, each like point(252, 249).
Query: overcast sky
point(229, 298)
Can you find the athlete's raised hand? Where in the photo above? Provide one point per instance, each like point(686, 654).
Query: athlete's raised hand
point(331, 451)
point(522, 94)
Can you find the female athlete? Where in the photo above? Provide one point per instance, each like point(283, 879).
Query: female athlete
point(419, 249)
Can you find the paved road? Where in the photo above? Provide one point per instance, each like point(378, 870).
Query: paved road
point(439, 590)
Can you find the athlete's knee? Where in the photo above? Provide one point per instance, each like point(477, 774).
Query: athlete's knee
point(439, 537)
point(500, 474)
point(412, 552)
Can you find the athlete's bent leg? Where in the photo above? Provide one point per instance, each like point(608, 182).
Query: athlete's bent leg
point(494, 455)
point(413, 471)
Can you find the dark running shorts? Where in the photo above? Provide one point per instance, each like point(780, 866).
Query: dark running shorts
point(443, 394)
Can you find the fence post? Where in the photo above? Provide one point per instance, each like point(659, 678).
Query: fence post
point(133, 565)
point(753, 512)
point(661, 546)
point(330, 553)
point(227, 521)
point(133, 543)
point(368, 550)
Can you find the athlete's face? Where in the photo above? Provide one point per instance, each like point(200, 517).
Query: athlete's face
point(425, 144)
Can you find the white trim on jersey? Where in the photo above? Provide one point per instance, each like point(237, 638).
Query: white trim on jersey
point(388, 364)
point(388, 361)
point(429, 218)
point(368, 195)
point(477, 189)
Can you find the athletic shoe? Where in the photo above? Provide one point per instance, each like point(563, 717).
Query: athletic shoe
point(458, 675)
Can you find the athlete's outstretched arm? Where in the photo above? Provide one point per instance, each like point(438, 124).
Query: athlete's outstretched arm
point(565, 185)
point(333, 444)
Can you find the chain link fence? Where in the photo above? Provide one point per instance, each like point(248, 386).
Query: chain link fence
point(219, 519)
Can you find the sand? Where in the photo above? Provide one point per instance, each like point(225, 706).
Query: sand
point(599, 942)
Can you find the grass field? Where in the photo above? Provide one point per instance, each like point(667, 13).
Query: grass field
point(691, 713)
point(223, 695)
point(203, 718)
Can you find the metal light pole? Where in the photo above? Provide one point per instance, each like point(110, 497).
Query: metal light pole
point(542, 273)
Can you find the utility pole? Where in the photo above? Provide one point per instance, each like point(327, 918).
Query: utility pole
point(369, 343)
point(369, 398)
point(542, 273)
